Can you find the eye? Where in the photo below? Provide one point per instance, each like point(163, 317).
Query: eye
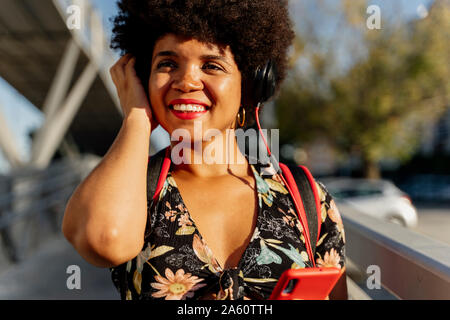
point(165, 63)
point(212, 66)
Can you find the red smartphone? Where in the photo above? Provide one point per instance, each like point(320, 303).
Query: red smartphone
point(306, 284)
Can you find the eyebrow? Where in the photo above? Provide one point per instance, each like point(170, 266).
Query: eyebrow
point(166, 54)
point(204, 57)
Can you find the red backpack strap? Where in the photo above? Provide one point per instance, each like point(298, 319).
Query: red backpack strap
point(313, 185)
point(160, 170)
point(303, 190)
point(291, 184)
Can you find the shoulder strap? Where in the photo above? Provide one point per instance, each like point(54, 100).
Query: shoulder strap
point(318, 211)
point(303, 187)
point(154, 171)
point(309, 195)
point(155, 174)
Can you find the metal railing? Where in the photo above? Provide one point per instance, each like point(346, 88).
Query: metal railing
point(32, 204)
point(411, 265)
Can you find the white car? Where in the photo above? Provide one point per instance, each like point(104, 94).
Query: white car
point(378, 198)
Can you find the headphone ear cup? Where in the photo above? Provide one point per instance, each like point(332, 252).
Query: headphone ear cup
point(264, 83)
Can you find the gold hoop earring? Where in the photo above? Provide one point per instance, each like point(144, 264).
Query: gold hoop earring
point(241, 122)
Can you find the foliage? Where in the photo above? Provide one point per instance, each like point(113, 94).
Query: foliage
point(380, 105)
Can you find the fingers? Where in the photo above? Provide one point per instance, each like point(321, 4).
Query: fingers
point(118, 70)
point(124, 60)
point(128, 85)
point(121, 63)
point(130, 71)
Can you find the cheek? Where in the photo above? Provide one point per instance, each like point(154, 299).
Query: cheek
point(230, 90)
point(157, 86)
point(158, 82)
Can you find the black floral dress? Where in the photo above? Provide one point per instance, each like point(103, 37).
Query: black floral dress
point(176, 263)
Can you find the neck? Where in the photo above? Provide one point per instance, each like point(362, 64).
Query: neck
point(207, 159)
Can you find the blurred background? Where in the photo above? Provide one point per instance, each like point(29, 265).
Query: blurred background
point(366, 107)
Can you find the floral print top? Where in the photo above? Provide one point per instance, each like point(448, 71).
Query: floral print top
point(176, 263)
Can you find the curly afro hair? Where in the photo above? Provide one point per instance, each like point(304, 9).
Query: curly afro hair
point(256, 31)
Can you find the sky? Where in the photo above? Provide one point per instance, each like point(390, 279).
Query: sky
point(23, 117)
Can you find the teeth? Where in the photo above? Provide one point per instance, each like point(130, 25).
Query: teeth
point(189, 107)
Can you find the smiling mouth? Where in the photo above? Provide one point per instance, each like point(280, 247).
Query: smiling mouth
point(189, 108)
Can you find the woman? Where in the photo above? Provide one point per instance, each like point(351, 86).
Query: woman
point(221, 230)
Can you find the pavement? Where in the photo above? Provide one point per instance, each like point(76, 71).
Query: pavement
point(44, 276)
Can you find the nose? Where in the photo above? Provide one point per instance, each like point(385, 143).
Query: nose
point(187, 80)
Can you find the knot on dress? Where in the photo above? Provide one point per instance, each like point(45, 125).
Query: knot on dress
point(231, 285)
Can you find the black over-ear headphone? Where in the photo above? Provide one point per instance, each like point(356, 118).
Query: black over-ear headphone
point(263, 84)
point(262, 89)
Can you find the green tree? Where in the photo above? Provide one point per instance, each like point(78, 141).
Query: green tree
point(379, 106)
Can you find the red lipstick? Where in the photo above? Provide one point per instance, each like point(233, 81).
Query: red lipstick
point(188, 115)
